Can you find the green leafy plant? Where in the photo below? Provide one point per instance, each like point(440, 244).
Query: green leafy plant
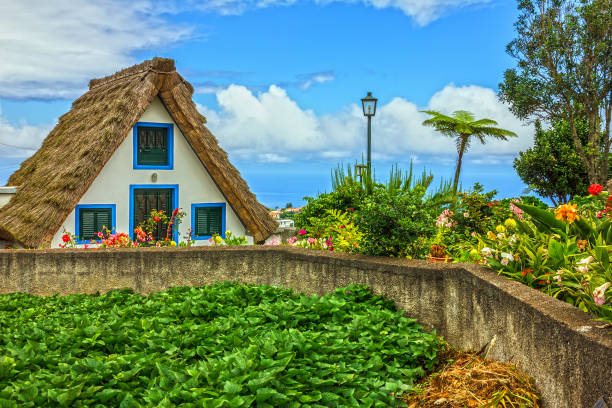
point(226, 345)
point(397, 224)
point(229, 240)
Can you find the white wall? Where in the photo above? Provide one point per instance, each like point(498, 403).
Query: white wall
point(6, 193)
point(112, 186)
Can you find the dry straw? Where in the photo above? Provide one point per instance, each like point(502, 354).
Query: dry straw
point(467, 380)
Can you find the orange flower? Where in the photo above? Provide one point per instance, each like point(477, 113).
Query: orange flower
point(567, 213)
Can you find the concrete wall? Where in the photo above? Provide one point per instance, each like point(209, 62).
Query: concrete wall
point(565, 350)
point(112, 186)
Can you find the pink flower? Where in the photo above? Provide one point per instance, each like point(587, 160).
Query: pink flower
point(599, 294)
point(598, 214)
point(466, 215)
point(311, 241)
point(302, 232)
point(517, 211)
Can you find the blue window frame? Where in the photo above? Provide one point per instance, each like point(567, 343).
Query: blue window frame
point(175, 201)
point(169, 146)
point(87, 207)
point(205, 214)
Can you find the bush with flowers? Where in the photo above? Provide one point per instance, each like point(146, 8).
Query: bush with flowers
point(336, 231)
point(143, 233)
point(229, 240)
point(563, 253)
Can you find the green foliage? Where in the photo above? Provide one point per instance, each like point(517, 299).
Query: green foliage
point(337, 231)
point(229, 240)
point(219, 346)
point(564, 53)
point(552, 168)
point(464, 127)
point(556, 263)
point(396, 225)
point(287, 215)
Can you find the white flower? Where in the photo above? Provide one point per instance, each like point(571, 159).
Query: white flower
point(582, 266)
point(487, 252)
point(506, 258)
point(512, 239)
point(599, 294)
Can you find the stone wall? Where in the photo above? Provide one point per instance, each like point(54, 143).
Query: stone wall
point(565, 350)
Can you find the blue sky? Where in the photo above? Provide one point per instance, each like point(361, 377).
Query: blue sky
point(278, 80)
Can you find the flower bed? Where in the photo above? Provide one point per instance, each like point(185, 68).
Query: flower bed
point(223, 345)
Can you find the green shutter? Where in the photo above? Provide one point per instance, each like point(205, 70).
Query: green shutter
point(208, 221)
point(152, 145)
point(93, 220)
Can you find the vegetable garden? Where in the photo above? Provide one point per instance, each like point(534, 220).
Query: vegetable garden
point(226, 345)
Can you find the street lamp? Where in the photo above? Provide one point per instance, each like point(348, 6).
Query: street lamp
point(360, 171)
point(369, 110)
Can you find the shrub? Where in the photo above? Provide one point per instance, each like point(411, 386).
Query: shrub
point(396, 223)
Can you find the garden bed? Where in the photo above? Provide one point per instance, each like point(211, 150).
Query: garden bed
point(224, 345)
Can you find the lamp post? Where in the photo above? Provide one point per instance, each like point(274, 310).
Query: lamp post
point(359, 172)
point(369, 110)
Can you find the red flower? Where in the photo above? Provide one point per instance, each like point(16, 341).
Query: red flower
point(525, 271)
point(175, 212)
point(595, 189)
point(66, 238)
point(157, 219)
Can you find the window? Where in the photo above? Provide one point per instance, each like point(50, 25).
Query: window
point(207, 220)
point(93, 218)
point(146, 197)
point(149, 199)
point(153, 145)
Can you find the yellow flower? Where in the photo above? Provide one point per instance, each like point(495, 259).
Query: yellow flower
point(218, 239)
point(510, 223)
point(567, 213)
point(491, 235)
point(500, 228)
point(172, 243)
point(474, 253)
point(228, 233)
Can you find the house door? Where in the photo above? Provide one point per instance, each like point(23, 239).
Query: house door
point(149, 199)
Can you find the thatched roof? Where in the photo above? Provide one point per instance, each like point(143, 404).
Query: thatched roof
point(54, 179)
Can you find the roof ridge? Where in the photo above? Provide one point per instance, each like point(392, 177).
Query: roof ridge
point(157, 65)
point(110, 79)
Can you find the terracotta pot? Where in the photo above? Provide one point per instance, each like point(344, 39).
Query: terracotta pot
point(438, 259)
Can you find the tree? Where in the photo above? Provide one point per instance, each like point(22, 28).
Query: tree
point(564, 54)
point(552, 168)
point(464, 128)
point(289, 205)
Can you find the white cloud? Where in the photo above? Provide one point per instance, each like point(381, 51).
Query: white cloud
point(21, 140)
point(271, 127)
point(422, 11)
point(316, 78)
point(50, 49)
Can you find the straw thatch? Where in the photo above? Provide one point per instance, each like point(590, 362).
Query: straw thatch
point(54, 179)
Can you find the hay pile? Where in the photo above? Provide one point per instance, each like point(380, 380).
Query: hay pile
point(468, 380)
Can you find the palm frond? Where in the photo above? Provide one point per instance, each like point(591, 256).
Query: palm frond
point(463, 116)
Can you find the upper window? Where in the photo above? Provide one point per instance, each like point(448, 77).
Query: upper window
point(153, 145)
point(208, 220)
point(94, 218)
